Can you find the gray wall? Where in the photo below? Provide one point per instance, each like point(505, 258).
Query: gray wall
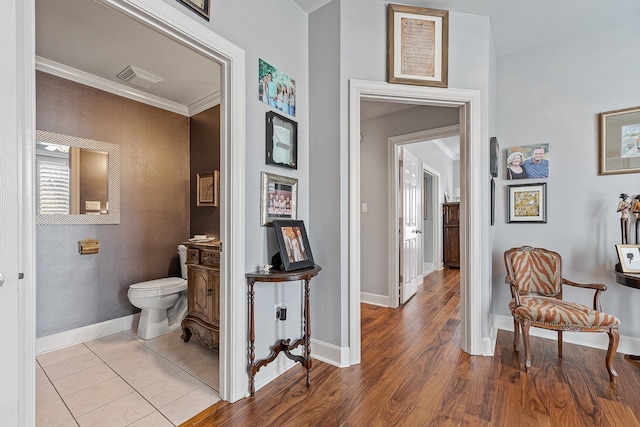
point(553, 94)
point(77, 290)
point(374, 182)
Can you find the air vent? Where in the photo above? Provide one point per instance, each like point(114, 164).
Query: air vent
point(138, 77)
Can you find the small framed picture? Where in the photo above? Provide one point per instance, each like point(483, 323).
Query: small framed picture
point(202, 7)
point(494, 152)
point(278, 198)
point(527, 203)
point(293, 243)
point(208, 188)
point(619, 141)
point(282, 141)
point(629, 256)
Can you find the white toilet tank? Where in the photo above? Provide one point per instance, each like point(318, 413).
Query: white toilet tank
point(182, 251)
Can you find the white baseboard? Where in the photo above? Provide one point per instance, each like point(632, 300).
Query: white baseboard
point(330, 353)
point(85, 333)
point(427, 266)
point(374, 299)
point(627, 345)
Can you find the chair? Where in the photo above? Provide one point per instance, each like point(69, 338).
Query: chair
point(535, 277)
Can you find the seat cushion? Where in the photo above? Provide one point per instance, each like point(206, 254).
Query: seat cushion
point(559, 313)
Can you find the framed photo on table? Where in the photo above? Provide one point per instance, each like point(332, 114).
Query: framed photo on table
point(278, 198)
point(295, 251)
point(418, 45)
point(629, 256)
point(619, 141)
point(281, 141)
point(527, 203)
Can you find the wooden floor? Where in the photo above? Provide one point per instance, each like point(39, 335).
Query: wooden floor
point(413, 373)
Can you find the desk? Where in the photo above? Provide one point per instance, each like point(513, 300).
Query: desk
point(633, 281)
point(282, 345)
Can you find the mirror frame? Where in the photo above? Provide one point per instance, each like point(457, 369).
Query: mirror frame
point(113, 190)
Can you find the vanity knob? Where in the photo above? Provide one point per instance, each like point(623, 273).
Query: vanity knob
point(209, 292)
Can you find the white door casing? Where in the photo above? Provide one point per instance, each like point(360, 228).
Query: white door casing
point(411, 230)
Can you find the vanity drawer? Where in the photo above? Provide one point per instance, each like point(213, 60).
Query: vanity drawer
point(210, 257)
point(193, 256)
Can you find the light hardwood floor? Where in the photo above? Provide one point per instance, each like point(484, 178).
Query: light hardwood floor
point(413, 373)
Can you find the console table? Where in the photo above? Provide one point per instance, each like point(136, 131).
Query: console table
point(633, 281)
point(282, 345)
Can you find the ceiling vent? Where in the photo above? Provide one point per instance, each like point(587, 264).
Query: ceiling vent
point(138, 77)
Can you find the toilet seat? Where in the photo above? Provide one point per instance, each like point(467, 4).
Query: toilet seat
point(158, 287)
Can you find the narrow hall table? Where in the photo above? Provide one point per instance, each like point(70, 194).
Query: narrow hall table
point(633, 281)
point(282, 345)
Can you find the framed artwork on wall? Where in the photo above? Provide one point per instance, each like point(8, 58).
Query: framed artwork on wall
point(276, 89)
point(494, 153)
point(278, 198)
point(629, 256)
point(527, 203)
point(295, 251)
point(201, 7)
point(281, 141)
point(208, 188)
point(619, 141)
point(528, 161)
point(417, 45)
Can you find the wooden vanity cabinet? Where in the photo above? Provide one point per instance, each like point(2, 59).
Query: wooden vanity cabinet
point(203, 316)
point(451, 234)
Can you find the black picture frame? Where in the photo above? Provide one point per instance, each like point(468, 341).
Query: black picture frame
point(293, 243)
point(494, 152)
point(281, 141)
point(201, 7)
point(493, 201)
point(527, 203)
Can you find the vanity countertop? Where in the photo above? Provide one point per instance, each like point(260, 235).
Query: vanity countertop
point(211, 244)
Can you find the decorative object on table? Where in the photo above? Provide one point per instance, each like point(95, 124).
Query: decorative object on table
point(208, 188)
point(619, 141)
point(629, 256)
point(494, 153)
point(276, 89)
point(295, 252)
point(417, 45)
point(278, 198)
point(527, 203)
point(636, 210)
point(202, 7)
point(267, 268)
point(282, 141)
point(534, 161)
point(623, 207)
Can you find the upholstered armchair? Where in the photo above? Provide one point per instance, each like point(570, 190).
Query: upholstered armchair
point(535, 278)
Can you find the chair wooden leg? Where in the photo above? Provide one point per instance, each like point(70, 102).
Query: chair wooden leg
point(516, 335)
point(527, 354)
point(559, 343)
point(614, 338)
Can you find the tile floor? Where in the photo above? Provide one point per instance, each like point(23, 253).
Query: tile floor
point(122, 380)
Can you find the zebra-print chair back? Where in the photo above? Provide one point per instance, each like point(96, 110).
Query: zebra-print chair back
point(535, 270)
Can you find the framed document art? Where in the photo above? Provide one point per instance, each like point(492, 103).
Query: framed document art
point(208, 188)
point(527, 203)
point(418, 45)
point(282, 141)
point(619, 141)
point(202, 7)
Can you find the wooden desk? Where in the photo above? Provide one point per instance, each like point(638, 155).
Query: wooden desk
point(632, 281)
point(282, 345)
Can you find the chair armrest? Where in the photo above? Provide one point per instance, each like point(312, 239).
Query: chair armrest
point(597, 287)
point(514, 291)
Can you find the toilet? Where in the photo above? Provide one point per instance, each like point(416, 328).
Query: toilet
point(163, 302)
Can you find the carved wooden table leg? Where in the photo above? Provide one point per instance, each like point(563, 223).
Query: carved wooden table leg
point(252, 339)
point(307, 332)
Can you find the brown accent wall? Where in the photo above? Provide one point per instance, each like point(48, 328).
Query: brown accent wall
point(205, 157)
point(76, 290)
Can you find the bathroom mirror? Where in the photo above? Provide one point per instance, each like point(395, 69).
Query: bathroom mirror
point(77, 180)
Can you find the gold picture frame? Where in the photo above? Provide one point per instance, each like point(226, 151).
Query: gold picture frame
point(201, 7)
point(417, 45)
point(619, 141)
point(208, 188)
point(629, 256)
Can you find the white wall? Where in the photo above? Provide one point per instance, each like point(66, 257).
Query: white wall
point(374, 182)
point(553, 93)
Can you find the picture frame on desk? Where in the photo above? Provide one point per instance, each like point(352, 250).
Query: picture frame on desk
point(629, 256)
point(293, 243)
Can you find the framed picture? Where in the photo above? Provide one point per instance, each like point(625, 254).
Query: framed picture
point(493, 201)
point(208, 188)
point(619, 141)
point(418, 45)
point(202, 7)
point(527, 203)
point(276, 89)
point(494, 153)
point(278, 198)
point(629, 256)
point(528, 161)
point(293, 243)
point(282, 141)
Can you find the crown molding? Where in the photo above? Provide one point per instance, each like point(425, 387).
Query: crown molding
point(204, 104)
point(446, 150)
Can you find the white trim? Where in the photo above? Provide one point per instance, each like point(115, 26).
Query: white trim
point(427, 267)
point(446, 150)
point(85, 333)
point(627, 344)
point(374, 299)
point(204, 104)
point(436, 209)
point(330, 353)
point(471, 275)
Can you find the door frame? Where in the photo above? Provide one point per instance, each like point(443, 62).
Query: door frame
point(394, 143)
point(436, 231)
point(169, 21)
point(470, 231)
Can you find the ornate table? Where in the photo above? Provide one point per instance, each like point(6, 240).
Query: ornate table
point(282, 345)
point(633, 281)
